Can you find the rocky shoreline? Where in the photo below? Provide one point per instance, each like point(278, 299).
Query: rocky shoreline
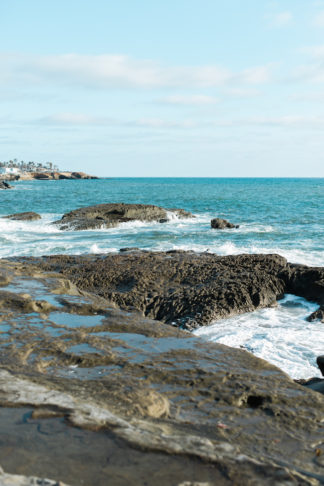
point(44, 176)
point(83, 339)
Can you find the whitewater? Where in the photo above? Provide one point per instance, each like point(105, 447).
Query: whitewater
point(283, 216)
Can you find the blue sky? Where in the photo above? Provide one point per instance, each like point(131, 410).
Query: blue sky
point(173, 88)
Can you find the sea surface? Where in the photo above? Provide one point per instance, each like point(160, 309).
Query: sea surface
point(284, 216)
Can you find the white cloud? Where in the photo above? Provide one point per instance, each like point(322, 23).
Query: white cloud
point(119, 71)
point(281, 19)
point(81, 119)
point(74, 119)
point(318, 19)
point(189, 100)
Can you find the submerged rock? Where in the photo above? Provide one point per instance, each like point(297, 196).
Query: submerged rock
point(26, 216)
point(218, 223)
point(110, 215)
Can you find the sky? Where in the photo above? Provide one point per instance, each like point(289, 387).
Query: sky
point(148, 88)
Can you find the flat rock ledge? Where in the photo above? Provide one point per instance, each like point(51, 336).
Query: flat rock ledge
point(25, 216)
point(19, 480)
point(218, 415)
point(111, 215)
point(188, 289)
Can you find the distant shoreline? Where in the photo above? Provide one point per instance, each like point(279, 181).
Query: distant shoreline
point(46, 176)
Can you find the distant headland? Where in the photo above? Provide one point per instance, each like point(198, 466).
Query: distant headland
point(13, 170)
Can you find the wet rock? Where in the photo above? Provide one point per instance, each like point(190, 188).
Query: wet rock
point(318, 315)
point(184, 288)
point(320, 363)
point(19, 480)
point(218, 223)
point(129, 248)
point(5, 185)
point(26, 216)
point(110, 215)
point(156, 388)
point(316, 384)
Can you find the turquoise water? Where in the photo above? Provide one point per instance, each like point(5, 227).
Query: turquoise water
point(285, 216)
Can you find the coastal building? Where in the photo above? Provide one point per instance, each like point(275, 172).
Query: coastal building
point(9, 171)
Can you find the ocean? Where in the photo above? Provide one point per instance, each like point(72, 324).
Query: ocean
point(284, 216)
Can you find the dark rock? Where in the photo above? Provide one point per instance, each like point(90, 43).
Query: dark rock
point(5, 185)
point(320, 363)
point(26, 216)
point(186, 288)
point(128, 248)
point(156, 405)
point(318, 315)
point(110, 215)
point(315, 384)
point(218, 223)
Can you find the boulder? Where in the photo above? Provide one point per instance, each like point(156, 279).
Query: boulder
point(110, 215)
point(26, 216)
point(219, 223)
point(5, 185)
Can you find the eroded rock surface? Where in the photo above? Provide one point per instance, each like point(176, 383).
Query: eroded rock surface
point(184, 288)
point(157, 388)
point(110, 215)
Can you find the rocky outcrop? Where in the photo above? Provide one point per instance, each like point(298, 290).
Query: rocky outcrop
point(5, 185)
point(26, 216)
point(110, 215)
point(185, 288)
point(218, 223)
point(152, 404)
point(51, 175)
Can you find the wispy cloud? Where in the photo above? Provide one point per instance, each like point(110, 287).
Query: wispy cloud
point(280, 19)
point(119, 71)
point(318, 19)
point(82, 119)
point(197, 100)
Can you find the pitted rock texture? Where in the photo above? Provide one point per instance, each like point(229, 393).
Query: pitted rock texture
point(26, 216)
point(184, 288)
point(155, 387)
point(110, 215)
point(189, 289)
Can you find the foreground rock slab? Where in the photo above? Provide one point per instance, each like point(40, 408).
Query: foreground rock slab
point(69, 354)
point(110, 215)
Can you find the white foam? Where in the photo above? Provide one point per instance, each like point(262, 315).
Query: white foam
point(279, 335)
